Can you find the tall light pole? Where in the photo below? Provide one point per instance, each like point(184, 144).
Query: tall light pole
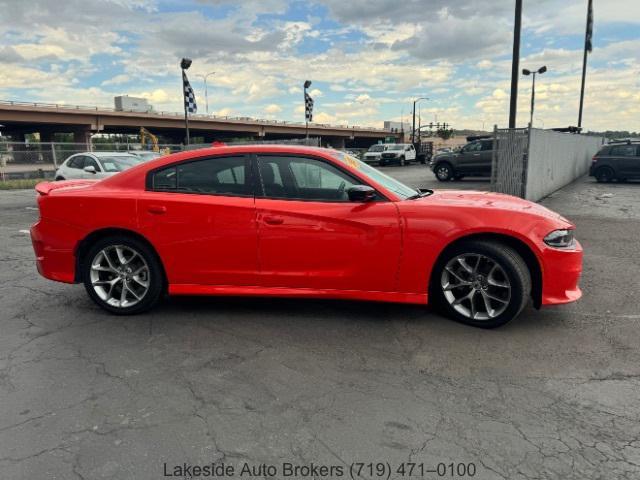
point(206, 94)
point(413, 128)
point(515, 65)
point(307, 84)
point(185, 63)
point(541, 70)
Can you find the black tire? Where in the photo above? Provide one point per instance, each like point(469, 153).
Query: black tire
point(403, 162)
point(513, 267)
point(604, 174)
point(155, 275)
point(443, 171)
point(423, 160)
point(59, 179)
point(381, 163)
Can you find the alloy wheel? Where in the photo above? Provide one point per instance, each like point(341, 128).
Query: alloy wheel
point(120, 276)
point(443, 172)
point(476, 286)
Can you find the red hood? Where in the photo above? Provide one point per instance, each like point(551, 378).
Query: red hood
point(500, 201)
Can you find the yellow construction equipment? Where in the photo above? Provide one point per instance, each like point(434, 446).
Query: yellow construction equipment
point(147, 137)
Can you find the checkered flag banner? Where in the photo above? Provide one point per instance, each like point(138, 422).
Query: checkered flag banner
point(308, 107)
point(189, 96)
point(589, 35)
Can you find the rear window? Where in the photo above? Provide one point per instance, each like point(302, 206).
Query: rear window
point(623, 151)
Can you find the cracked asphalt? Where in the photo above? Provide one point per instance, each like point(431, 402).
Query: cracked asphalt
point(554, 394)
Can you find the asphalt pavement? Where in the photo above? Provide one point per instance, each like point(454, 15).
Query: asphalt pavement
point(553, 394)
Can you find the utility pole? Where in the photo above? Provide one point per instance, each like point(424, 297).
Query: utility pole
point(587, 48)
point(413, 127)
point(515, 65)
point(206, 93)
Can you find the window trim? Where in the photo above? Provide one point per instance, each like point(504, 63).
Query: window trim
point(250, 179)
point(259, 189)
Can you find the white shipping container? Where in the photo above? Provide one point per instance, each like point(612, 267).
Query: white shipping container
point(125, 103)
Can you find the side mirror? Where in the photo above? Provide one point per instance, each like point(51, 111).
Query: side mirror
point(90, 169)
point(361, 193)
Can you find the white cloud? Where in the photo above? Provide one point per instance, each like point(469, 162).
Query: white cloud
point(273, 108)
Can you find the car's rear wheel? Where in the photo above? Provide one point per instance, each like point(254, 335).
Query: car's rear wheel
point(481, 283)
point(444, 172)
point(122, 275)
point(604, 174)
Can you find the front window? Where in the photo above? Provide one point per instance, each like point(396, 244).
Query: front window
point(300, 178)
point(376, 175)
point(396, 147)
point(118, 163)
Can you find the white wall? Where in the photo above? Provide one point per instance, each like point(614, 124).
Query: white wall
point(557, 159)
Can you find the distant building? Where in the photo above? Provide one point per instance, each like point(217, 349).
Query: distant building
point(125, 103)
point(397, 126)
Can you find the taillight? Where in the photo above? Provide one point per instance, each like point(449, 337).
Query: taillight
point(594, 159)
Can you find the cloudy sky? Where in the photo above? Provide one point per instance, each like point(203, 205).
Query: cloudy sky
point(367, 58)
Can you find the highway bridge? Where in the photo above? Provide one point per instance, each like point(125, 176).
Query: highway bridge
point(20, 118)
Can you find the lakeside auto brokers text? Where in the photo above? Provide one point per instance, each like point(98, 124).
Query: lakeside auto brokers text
point(376, 470)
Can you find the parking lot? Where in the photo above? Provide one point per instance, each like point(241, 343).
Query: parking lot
point(554, 394)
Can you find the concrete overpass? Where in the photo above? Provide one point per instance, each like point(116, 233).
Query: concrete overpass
point(20, 118)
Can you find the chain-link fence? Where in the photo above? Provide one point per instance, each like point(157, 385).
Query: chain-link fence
point(509, 161)
point(26, 160)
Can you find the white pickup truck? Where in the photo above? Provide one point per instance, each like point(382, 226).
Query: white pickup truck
point(373, 154)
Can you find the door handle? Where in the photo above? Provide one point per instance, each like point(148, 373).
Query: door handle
point(157, 209)
point(273, 220)
point(476, 154)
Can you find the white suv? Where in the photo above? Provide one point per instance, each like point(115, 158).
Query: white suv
point(401, 153)
point(374, 152)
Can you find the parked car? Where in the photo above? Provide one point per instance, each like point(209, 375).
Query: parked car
point(400, 153)
point(145, 154)
point(293, 221)
point(474, 160)
point(373, 154)
point(616, 161)
point(95, 165)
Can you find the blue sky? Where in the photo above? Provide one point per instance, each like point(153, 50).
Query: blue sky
point(367, 58)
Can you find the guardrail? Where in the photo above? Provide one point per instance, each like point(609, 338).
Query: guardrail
point(160, 113)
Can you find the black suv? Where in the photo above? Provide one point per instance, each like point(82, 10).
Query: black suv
point(474, 159)
point(619, 161)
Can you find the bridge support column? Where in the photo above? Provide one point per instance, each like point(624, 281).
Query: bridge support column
point(82, 136)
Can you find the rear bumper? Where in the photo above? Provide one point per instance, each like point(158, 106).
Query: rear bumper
point(561, 275)
point(55, 258)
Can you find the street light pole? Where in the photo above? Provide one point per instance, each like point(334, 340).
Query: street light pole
point(541, 70)
point(413, 127)
point(206, 93)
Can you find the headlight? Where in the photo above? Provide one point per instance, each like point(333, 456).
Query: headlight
point(560, 239)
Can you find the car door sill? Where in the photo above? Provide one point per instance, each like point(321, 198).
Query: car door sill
point(286, 292)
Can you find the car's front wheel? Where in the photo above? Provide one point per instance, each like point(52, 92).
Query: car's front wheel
point(444, 172)
point(122, 275)
point(481, 283)
point(402, 161)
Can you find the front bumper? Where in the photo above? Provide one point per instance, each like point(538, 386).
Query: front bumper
point(561, 274)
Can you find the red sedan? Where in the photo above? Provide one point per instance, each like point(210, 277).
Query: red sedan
point(292, 221)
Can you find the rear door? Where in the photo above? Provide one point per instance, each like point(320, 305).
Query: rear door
point(624, 160)
point(312, 236)
point(486, 157)
point(200, 215)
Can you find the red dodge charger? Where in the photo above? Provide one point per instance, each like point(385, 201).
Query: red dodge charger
point(292, 221)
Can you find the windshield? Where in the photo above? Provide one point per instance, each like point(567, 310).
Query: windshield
point(377, 148)
point(376, 175)
point(118, 164)
point(396, 147)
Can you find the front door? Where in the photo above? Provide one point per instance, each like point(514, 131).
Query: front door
point(200, 215)
point(312, 236)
